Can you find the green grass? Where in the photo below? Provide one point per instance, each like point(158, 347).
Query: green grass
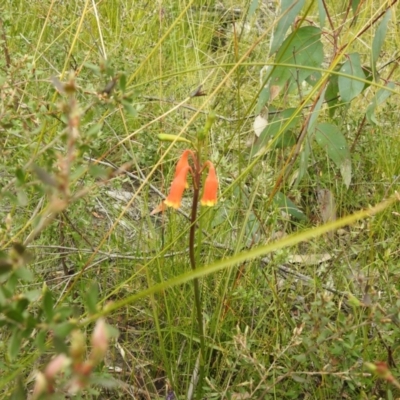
point(268, 334)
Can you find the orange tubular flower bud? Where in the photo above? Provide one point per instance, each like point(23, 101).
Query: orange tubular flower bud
point(210, 187)
point(183, 163)
point(177, 188)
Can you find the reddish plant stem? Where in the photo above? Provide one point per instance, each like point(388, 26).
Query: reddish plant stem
point(192, 256)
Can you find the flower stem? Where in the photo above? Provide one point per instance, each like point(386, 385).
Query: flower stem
point(196, 283)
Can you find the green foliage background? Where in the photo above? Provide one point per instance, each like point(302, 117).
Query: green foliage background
point(300, 286)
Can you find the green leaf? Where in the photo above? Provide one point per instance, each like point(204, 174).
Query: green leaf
point(63, 329)
point(78, 172)
point(252, 229)
point(48, 304)
point(315, 114)
point(303, 161)
point(300, 358)
point(31, 323)
point(93, 67)
point(33, 295)
point(122, 82)
point(349, 88)
point(21, 305)
point(14, 344)
point(94, 130)
point(59, 344)
point(290, 9)
point(19, 392)
point(98, 171)
point(329, 137)
point(5, 266)
point(380, 97)
point(304, 155)
point(4, 296)
point(12, 282)
point(289, 207)
point(321, 13)
point(285, 139)
point(252, 8)
point(112, 331)
point(22, 198)
point(63, 312)
point(298, 378)
point(40, 341)
point(167, 137)
point(346, 172)
point(302, 48)
point(379, 39)
point(91, 298)
point(354, 5)
point(129, 108)
point(20, 175)
point(277, 127)
point(262, 99)
point(314, 78)
point(14, 315)
point(25, 274)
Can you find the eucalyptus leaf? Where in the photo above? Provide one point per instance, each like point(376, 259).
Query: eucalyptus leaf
point(321, 13)
point(329, 137)
point(290, 9)
point(302, 48)
point(379, 38)
point(315, 113)
point(277, 128)
point(263, 99)
point(314, 78)
point(252, 8)
point(380, 97)
point(350, 88)
point(288, 206)
point(303, 160)
point(345, 171)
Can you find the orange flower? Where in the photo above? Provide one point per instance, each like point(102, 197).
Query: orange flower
point(177, 188)
point(183, 163)
point(210, 187)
